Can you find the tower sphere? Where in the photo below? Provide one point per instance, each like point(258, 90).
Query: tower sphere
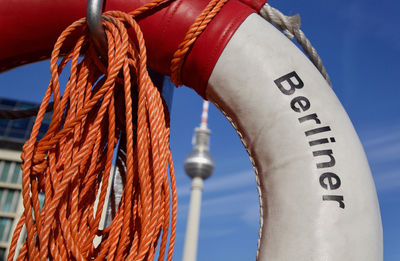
point(199, 162)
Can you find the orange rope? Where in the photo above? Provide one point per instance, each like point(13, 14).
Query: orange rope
point(100, 108)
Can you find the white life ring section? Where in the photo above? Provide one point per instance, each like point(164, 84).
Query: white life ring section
point(317, 197)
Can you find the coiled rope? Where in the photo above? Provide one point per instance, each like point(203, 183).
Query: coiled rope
point(102, 108)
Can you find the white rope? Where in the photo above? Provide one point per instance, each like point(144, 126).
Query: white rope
point(290, 25)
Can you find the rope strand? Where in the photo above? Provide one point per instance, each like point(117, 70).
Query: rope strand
point(103, 106)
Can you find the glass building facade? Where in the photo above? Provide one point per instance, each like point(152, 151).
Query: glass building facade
point(10, 199)
point(13, 134)
point(19, 130)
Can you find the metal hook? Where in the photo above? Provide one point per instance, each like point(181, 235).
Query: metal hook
point(94, 10)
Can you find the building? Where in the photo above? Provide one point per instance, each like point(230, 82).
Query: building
point(13, 134)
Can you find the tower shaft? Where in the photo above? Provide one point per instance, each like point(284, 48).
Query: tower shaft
point(193, 223)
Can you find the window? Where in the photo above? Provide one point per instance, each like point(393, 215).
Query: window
point(7, 103)
point(4, 123)
point(5, 228)
point(4, 170)
point(20, 124)
point(2, 253)
point(9, 199)
point(16, 176)
point(10, 172)
point(17, 134)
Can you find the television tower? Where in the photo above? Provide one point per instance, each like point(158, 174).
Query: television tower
point(198, 166)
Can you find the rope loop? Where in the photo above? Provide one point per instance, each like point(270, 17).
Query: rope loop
point(102, 109)
point(105, 109)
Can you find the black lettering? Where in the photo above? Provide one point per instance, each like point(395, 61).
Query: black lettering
point(288, 84)
point(310, 117)
point(339, 199)
point(292, 85)
point(317, 130)
point(320, 141)
point(327, 164)
point(302, 102)
point(329, 181)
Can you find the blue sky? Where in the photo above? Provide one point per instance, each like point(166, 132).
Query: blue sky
point(359, 42)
